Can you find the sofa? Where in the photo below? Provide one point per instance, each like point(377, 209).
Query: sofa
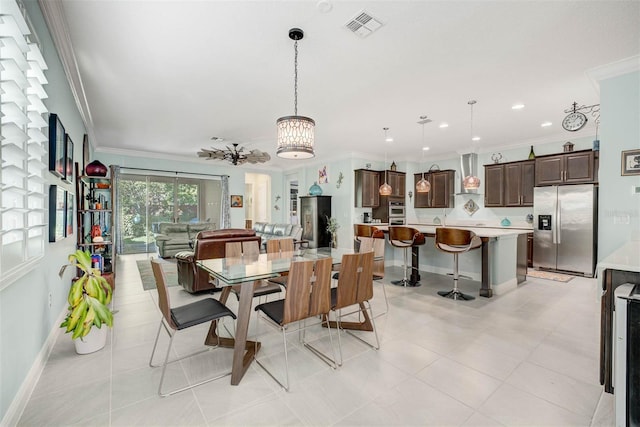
point(174, 237)
point(208, 244)
point(268, 231)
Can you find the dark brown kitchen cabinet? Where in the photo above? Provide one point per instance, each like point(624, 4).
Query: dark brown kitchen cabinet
point(519, 180)
point(509, 184)
point(397, 181)
point(367, 184)
point(530, 250)
point(493, 185)
point(441, 193)
point(566, 168)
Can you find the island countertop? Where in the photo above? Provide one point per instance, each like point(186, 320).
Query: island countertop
point(479, 231)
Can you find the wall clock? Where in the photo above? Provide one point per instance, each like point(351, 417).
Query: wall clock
point(574, 121)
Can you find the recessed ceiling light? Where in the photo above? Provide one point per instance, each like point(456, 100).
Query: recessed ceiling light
point(546, 124)
point(475, 138)
point(517, 106)
point(425, 148)
point(443, 125)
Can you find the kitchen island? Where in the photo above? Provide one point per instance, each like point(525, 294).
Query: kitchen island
point(621, 266)
point(500, 264)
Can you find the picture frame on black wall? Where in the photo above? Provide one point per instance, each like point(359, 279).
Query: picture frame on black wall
point(85, 153)
point(68, 160)
point(57, 146)
point(630, 162)
point(57, 213)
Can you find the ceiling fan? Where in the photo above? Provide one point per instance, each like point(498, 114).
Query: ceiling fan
point(236, 155)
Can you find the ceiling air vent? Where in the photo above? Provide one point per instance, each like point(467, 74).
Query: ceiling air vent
point(363, 24)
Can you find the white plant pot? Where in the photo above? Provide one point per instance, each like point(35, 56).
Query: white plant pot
point(95, 340)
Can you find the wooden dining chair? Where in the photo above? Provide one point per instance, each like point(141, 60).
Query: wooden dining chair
point(261, 288)
point(308, 295)
point(278, 248)
point(355, 288)
point(183, 317)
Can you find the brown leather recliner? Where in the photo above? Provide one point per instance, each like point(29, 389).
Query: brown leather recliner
point(208, 244)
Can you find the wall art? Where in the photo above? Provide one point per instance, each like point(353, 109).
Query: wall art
point(236, 201)
point(57, 146)
point(57, 213)
point(630, 162)
point(68, 162)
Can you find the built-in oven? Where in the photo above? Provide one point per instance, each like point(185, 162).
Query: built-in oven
point(396, 220)
point(396, 209)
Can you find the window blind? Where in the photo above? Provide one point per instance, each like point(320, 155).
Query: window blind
point(23, 145)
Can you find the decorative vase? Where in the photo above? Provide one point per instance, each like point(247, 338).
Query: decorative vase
point(315, 190)
point(532, 155)
point(95, 168)
point(95, 340)
point(334, 240)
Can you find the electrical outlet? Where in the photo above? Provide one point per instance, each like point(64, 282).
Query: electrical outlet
point(635, 190)
point(50, 299)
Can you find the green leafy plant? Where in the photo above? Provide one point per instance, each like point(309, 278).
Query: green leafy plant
point(88, 298)
point(332, 225)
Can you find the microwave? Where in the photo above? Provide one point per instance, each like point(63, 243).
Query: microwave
point(396, 209)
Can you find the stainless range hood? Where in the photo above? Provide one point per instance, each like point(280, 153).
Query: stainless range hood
point(468, 167)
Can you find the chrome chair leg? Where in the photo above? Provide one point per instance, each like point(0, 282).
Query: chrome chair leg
point(455, 293)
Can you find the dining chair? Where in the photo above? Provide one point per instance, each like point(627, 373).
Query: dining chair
point(368, 237)
point(280, 247)
point(308, 295)
point(355, 288)
point(183, 317)
point(261, 288)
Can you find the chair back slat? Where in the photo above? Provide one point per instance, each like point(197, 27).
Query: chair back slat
point(233, 250)
point(250, 248)
point(321, 289)
point(308, 290)
point(164, 302)
point(347, 280)
point(365, 277)
point(286, 245)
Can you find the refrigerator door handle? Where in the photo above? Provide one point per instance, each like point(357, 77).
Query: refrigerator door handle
point(558, 221)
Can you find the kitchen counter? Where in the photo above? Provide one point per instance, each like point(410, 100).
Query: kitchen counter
point(499, 265)
point(621, 266)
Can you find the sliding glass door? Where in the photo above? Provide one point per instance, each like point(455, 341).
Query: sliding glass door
point(146, 201)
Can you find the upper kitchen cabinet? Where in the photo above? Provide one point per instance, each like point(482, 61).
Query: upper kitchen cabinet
point(509, 184)
point(397, 181)
point(494, 185)
point(519, 183)
point(367, 184)
point(441, 193)
point(577, 167)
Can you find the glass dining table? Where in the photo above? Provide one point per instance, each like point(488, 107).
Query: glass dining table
point(244, 271)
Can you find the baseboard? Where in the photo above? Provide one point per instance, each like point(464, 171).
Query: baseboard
point(20, 400)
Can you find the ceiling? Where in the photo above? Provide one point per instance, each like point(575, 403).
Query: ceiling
point(167, 76)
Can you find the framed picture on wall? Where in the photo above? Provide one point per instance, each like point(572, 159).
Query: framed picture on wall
point(68, 160)
point(57, 163)
point(69, 214)
point(631, 162)
point(85, 153)
point(236, 201)
point(57, 213)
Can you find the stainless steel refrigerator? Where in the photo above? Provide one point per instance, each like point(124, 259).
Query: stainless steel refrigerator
point(565, 228)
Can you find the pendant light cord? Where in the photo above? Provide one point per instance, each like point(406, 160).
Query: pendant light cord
point(295, 79)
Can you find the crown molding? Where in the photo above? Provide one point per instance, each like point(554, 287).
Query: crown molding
point(53, 13)
point(613, 69)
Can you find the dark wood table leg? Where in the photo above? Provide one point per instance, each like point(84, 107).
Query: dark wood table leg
point(243, 350)
point(485, 288)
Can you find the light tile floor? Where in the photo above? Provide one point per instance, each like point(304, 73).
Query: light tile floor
point(529, 357)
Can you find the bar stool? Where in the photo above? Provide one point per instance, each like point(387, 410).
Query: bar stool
point(456, 241)
point(405, 238)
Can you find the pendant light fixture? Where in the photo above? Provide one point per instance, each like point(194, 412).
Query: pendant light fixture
point(385, 189)
point(295, 133)
point(471, 182)
point(423, 186)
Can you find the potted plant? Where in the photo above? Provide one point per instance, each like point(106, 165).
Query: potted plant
point(88, 298)
point(332, 228)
